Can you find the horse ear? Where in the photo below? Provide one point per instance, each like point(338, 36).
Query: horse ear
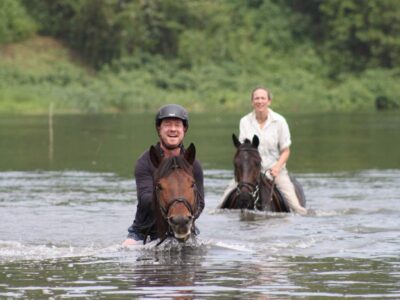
point(235, 141)
point(255, 141)
point(190, 154)
point(155, 156)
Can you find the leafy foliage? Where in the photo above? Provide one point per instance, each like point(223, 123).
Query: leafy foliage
point(136, 55)
point(15, 23)
point(354, 35)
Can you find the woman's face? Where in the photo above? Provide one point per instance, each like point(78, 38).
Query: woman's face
point(260, 101)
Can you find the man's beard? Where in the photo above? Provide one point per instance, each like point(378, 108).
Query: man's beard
point(170, 147)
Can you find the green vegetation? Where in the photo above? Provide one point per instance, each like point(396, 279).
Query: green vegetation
point(131, 55)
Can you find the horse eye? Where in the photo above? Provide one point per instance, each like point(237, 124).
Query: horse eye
point(193, 184)
point(158, 186)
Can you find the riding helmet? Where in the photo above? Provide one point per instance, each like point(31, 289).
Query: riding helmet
point(172, 111)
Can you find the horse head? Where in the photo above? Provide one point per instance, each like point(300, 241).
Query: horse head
point(175, 193)
point(247, 168)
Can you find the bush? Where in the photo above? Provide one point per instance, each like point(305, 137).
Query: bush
point(15, 24)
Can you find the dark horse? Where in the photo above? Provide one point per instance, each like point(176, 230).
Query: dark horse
point(175, 195)
point(254, 190)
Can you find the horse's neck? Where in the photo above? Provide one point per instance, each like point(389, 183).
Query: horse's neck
point(265, 186)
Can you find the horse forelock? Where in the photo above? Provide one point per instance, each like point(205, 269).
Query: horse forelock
point(168, 165)
point(246, 141)
point(247, 160)
point(248, 151)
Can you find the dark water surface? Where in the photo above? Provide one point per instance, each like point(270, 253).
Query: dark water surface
point(65, 208)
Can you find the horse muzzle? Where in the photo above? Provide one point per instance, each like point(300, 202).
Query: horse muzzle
point(245, 201)
point(181, 226)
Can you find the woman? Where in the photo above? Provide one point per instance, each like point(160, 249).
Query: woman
point(274, 135)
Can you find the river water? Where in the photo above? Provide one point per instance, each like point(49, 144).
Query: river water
point(65, 207)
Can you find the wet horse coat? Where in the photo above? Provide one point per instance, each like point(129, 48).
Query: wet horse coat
point(174, 194)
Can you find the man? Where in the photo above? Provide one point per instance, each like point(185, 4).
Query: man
point(172, 123)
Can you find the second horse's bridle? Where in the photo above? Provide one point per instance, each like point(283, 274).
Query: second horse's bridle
point(253, 190)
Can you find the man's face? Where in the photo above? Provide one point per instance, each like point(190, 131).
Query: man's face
point(171, 132)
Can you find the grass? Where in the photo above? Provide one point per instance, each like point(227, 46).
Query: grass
point(41, 70)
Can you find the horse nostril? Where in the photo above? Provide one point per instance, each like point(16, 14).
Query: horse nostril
point(171, 220)
point(180, 220)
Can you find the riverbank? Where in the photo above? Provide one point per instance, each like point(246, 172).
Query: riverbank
point(41, 71)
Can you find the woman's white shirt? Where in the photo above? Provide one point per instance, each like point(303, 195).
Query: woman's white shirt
point(274, 136)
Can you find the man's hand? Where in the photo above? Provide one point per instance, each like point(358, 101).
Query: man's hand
point(129, 242)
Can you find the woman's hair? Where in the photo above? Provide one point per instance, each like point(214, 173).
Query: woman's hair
point(269, 94)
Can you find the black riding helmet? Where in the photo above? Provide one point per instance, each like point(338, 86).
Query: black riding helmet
point(172, 111)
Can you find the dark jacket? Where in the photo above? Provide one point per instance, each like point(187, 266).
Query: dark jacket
point(144, 222)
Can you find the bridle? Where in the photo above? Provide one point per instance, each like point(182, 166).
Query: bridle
point(253, 190)
point(165, 210)
point(184, 201)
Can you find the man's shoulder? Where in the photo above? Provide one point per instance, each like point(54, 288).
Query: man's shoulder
point(144, 162)
point(144, 156)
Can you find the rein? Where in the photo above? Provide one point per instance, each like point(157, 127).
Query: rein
point(254, 189)
point(271, 194)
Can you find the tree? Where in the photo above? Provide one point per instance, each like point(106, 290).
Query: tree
point(15, 23)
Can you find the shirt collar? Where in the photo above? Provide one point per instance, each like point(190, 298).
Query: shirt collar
point(271, 117)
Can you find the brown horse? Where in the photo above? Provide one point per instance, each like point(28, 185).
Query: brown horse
point(254, 190)
point(175, 194)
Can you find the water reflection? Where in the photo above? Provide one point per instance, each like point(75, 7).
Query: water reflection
point(193, 274)
point(173, 273)
point(215, 271)
point(112, 143)
point(355, 278)
point(62, 222)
